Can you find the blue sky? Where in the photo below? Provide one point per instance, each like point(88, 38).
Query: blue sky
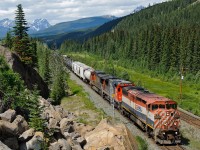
point(56, 11)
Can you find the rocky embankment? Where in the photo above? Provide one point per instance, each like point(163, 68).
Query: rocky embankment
point(67, 133)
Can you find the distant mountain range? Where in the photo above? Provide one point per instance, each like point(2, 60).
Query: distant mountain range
point(80, 35)
point(37, 25)
point(76, 25)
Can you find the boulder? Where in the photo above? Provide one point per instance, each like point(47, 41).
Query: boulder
point(51, 113)
point(115, 135)
point(77, 147)
point(53, 123)
point(35, 142)
point(8, 129)
point(64, 144)
point(8, 115)
point(66, 126)
point(80, 141)
point(74, 135)
point(57, 135)
point(22, 146)
point(3, 146)
point(27, 135)
point(12, 143)
point(44, 102)
point(82, 128)
point(21, 123)
point(55, 146)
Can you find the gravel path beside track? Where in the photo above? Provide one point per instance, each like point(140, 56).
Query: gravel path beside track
point(103, 104)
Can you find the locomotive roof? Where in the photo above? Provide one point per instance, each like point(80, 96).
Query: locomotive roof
point(115, 82)
point(109, 77)
point(146, 95)
point(99, 72)
point(103, 75)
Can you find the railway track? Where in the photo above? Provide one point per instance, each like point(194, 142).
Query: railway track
point(192, 120)
point(172, 147)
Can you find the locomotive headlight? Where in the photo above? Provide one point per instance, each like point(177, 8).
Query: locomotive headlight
point(167, 113)
point(176, 132)
point(163, 133)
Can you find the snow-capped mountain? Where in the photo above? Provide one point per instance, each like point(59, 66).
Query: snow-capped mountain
point(37, 25)
point(7, 23)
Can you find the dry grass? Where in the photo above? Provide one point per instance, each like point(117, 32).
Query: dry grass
point(80, 104)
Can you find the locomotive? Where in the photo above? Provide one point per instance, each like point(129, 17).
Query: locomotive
point(156, 115)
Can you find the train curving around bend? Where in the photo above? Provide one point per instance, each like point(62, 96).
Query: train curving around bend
point(156, 115)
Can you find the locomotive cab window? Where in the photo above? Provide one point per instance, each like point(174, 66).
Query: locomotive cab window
point(118, 89)
point(162, 106)
point(171, 106)
point(174, 106)
point(124, 91)
point(149, 107)
point(154, 107)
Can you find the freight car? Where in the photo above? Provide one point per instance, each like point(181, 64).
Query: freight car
point(156, 115)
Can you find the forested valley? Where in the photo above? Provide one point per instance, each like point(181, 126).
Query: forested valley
point(162, 38)
point(160, 42)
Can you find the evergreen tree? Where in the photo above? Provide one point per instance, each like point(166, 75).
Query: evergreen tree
point(22, 44)
point(20, 27)
point(8, 40)
point(35, 120)
point(58, 78)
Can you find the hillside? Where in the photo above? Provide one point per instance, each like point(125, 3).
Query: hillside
point(80, 35)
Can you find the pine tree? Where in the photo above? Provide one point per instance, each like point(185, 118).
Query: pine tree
point(20, 27)
point(22, 44)
point(8, 40)
point(58, 78)
point(35, 120)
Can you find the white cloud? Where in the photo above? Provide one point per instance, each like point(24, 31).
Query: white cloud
point(65, 10)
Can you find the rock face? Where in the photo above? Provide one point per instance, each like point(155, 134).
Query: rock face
point(9, 132)
point(35, 142)
point(3, 146)
point(27, 135)
point(28, 74)
point(8, 115)
point(108, 135)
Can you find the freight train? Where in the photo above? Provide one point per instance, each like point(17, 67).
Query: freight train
point(156, 115)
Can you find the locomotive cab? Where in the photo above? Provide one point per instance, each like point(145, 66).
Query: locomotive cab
point(166, 122)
